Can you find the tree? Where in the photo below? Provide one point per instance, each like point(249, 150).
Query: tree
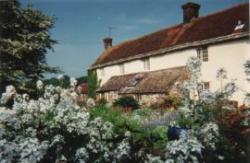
point(82, 79)
point(93, 83)
point(24, 41)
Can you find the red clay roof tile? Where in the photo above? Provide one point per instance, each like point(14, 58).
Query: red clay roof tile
point(215, 25)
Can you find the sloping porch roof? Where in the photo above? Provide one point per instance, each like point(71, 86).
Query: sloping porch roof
point(161, 81)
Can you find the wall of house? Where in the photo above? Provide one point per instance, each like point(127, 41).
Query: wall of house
point(107, 72)
point(230, 56)
point(109, 96)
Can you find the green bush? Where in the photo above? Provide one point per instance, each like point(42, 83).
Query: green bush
point(121, 123)
point(147, 140)
point(185, 122)
point(126, 102)
point(160, 139)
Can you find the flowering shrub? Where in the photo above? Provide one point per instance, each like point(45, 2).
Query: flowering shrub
point(187, 149)
point(209, 138)
point(53, 128)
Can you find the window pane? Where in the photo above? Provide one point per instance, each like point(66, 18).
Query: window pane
point(199, 53)
point(205, 54)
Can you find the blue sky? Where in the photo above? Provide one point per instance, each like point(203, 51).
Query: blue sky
point(82, 24)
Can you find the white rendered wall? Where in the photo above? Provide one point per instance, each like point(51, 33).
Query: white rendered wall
point(173, 59)
point(230, 56)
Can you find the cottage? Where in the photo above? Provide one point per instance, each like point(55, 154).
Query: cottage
point(146, 87)
point(155, 63)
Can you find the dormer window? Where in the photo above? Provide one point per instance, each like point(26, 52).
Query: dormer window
point(136, 80)
point(122, 70)
point(146, 64)
point(202, 54)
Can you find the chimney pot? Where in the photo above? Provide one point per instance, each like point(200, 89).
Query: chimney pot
point(190, 11)
point(107, 43)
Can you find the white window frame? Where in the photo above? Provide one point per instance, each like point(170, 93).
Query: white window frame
point(202, 54)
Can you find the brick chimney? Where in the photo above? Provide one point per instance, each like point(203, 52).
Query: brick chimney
point(107, 43)
point(190, 11)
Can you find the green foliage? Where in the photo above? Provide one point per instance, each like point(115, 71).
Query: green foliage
point(171, 101)
point(82, 79)
point(93, 83)
point(126, 102)
point(151, 140)
point(64, 82)
point(144, 112)
point(24, 41)
point(159, 139)
point(184, 122)
point(121, 123)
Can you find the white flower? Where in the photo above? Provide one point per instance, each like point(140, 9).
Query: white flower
point(90, 102)
point(221, 157)
point(207, 97)
point(60, 77)
point(81, 155)
point(39, 85)
point(153, 159)
point(186, 148)
point(73, 82)
point(194, 67)
point(26, 97)
point(57, 139)
point(127, 134)
point(210, 134)
point(9, 93)
point(123, 150)
point(31, 150)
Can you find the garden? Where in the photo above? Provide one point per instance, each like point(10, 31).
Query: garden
point(47, 121)
point(53, 127)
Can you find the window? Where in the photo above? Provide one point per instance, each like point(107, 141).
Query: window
point(122, 68)
point(136, 80)
point(146, 64)
point(205, 85)
point(202, 54)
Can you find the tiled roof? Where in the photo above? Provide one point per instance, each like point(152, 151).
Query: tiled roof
point(215, 25)
point(148, 82)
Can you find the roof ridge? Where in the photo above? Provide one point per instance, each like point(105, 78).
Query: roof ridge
point(221, 11)
point(180, 24)
point(177, 34)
